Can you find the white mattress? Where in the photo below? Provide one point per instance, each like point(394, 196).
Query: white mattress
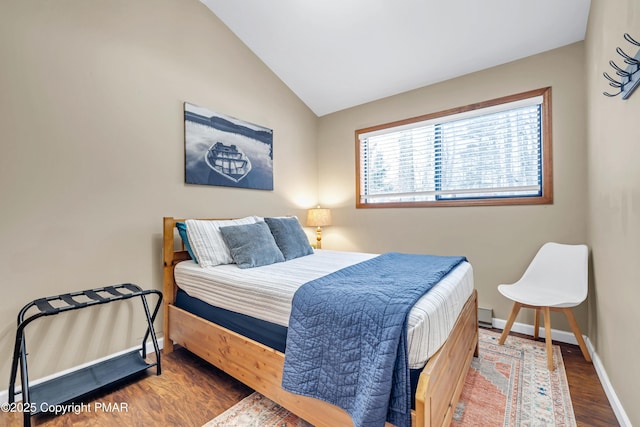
point(266, 293)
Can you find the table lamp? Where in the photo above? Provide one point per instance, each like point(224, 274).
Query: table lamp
point(319, 217)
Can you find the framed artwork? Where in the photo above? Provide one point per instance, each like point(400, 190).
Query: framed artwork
point(224, 151)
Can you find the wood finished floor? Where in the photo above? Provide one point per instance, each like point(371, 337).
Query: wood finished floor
point(191, 392)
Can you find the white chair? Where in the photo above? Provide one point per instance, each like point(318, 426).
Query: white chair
point(556, 280)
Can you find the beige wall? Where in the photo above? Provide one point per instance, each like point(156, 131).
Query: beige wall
point(92, 155)
point(614, 200)
point(498, 240)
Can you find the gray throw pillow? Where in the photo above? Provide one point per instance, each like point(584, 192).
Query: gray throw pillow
point(289, 236)
point(251, 245)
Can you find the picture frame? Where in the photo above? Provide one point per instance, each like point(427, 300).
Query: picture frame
point(221, 150)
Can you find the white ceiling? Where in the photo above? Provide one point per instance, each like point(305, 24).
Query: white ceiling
point(335, 54)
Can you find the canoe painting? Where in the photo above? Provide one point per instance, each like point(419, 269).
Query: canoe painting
point(221, 150)
point(228, 161)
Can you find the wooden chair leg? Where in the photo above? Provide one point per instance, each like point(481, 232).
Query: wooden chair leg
point(536, 323)
point(547, 338)
point(576, 331)
point(512, 318)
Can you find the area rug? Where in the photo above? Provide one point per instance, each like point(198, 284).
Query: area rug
point(508, 385)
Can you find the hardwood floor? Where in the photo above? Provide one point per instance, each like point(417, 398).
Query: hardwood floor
point(590, 404)
point(191, 392)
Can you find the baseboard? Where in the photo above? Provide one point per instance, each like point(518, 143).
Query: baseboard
point(4, 394)
point(616, 405)
point(522, 328)
point(569, 338)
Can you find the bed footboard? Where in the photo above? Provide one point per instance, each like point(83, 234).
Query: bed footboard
point(250, 362)
point(441, 380)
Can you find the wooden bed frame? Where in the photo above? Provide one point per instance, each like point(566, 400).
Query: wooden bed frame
point(260, 367)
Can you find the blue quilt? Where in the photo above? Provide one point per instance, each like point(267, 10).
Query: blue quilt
point(347, 343)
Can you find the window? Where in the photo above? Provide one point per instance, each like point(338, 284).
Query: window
point(491, 153)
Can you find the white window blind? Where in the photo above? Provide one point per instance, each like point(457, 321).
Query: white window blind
point(493, 152)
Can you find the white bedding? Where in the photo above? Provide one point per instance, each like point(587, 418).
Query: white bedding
point(266, 293)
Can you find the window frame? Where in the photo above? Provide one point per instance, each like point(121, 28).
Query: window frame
point(546, 196)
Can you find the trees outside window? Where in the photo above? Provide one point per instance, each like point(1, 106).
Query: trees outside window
point(490, 153)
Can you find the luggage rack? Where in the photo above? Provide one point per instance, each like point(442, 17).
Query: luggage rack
point(78, 384)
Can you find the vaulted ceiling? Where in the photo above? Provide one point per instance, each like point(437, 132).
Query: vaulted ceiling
point(336, 54)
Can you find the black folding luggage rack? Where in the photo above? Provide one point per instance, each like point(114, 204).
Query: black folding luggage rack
point(75, 385)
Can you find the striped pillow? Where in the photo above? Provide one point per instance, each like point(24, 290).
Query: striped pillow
point(207, 243)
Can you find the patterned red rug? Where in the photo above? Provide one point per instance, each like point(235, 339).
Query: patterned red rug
point(507, 385)
point(510, 385)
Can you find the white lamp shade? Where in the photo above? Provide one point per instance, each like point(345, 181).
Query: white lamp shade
point(319, 217)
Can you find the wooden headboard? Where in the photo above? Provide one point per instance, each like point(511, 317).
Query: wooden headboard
point(172, 254)
point(170, 257)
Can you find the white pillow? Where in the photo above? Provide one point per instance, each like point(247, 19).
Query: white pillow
point(206, 240)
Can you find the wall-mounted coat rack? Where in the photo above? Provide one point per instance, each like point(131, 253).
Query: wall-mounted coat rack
point(629, 77)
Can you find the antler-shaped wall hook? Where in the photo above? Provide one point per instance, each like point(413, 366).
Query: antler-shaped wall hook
point(629, 77)
point(628, 38)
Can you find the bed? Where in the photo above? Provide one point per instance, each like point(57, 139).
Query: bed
point(260, 365)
